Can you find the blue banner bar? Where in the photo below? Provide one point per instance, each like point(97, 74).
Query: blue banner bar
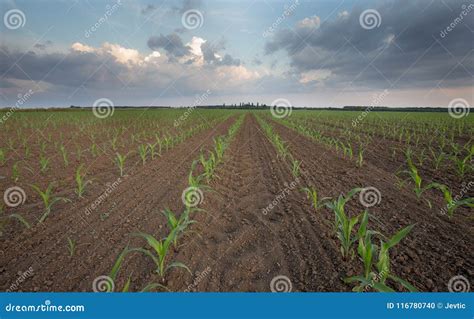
point(237, 305)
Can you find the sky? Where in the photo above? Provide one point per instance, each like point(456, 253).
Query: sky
point(327, 53)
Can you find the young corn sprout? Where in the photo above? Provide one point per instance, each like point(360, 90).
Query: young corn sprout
point(344, 224)
point(15, 172)
point(153, 151)
point(120, 161)
point(451, 203)
point(71, 246)
point(44, 162)
point(295, 167)
point(312, 195)
point(21, 219)
point(360, 157)
point(81, 183)
point(177, 225)
point(377, 272)
point(63, 152)
point(416, 178)
point(159, 251)
point(48, 200)
point(143, 152)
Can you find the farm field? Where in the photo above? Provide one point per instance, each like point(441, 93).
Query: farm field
point(235, 200)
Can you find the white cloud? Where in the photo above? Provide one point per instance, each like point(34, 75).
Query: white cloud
point(315, 76)
point(309, 23)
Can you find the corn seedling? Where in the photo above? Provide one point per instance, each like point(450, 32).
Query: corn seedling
point(21, 219)
point(81, 183)
point(295, 167)
point(48, 200)
point(313, 196)
point(177, 225)
point(15, 172)
point(152, 148)
point(63, 151)
point(344, 224)
point(44, 162)
point(360, 157)
point(367, 250)
point(451, 203)
point(143, 152)
point(71, 246)
point(159, 251)
point(120, 161)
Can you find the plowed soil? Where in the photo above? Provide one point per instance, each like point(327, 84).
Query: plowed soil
point(255, 224)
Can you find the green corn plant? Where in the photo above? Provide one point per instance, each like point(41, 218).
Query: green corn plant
point(344, 224)
point(48, 200)
point(462, 163)
point(81, 183)
point(209, 165)
point(383, 262)
point(143, 152)
point(44, 163)
point(116, 268)
point(71, 246)
point(15, 172)
point(295, 167)
point(377, 272)
point(312, 195)
point(451, 203)
point(159, 251)
point(153, 151)
point(177, 225)
point(94, 150)
point(63, 152)
point(21, 219)
point(416, 178)
point(120, 162)
point(360, 157)
point(219, 147)
point(437, 158)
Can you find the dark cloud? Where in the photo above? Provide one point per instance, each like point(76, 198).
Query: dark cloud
point(171, 43)
point(43, 46)
point(210, 54)
point(406, 49)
